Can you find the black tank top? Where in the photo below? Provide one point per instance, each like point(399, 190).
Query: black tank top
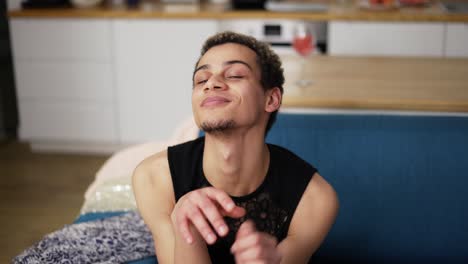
point(271, 206)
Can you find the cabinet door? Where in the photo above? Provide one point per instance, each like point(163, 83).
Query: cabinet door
point(59, 80)
point(456, 41)
point(67, 121)
point(154, 62)
point(61, 39)
point(64, 80)
point(386, 38)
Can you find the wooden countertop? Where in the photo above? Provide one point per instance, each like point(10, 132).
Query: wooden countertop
point(379, 83)
point(432, 13)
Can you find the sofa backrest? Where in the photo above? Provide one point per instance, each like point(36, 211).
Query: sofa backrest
point(401, 181)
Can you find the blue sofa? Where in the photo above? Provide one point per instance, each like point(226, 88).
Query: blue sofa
point(401, 181)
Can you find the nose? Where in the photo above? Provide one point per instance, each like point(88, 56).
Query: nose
point(215, 82)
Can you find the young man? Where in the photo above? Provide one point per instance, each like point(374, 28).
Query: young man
point(229, 196)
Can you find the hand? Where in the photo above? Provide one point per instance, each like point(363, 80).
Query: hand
point(202, 210)
point(252, 246)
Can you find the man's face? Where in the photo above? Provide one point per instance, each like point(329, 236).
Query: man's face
point(226, 91)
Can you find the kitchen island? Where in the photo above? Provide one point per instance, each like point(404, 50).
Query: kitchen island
point(380, 83)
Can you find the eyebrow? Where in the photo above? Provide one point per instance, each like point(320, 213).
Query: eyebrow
point(231, 62)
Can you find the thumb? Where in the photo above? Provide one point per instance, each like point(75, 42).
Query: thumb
point(246, 228)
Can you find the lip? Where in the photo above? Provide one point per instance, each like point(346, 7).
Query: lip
point(214, 101)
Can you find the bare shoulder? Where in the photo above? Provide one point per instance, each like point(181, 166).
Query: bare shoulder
point(319, 200)
point(153, 165)
point(153, 172)
point(320, 193)
point(313, 218)
point(152, 186)
point(154, 195)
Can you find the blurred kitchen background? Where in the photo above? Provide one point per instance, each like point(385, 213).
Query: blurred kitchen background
point(90, 73)
point(8, 108)
point(81, 79)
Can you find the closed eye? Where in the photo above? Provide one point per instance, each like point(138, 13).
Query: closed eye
point(235, 77)
point(202, 81)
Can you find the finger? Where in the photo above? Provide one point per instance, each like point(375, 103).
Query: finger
point(213, 214)
point(223, 199)
point(248, 256)
point(245, 229)
point(184, 229)
point(200, 223)
point(272, 257)
point(254, 240)
point(263, 254)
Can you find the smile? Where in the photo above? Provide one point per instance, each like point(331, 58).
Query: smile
point(214, 101)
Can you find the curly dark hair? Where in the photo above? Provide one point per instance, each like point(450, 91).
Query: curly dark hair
point(270, 64)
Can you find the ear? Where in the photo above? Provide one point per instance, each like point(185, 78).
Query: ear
point(273, 100)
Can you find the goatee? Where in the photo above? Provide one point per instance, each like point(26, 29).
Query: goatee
point(217, 126)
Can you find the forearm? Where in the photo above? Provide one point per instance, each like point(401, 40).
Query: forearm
point(200, 212)
point(294, 250)
point(195, 252)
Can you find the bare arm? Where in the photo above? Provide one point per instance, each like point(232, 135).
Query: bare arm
point(311, 222)
point(180, 230)
point(155, 198)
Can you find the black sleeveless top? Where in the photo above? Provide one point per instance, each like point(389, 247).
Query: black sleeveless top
point(271, 206)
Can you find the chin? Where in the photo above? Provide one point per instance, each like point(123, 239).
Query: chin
point(213, 117)
point(216, 126)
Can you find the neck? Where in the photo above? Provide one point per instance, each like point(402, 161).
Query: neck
point(236, 164)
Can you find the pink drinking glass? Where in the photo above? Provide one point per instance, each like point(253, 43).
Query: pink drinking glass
point(303, 44)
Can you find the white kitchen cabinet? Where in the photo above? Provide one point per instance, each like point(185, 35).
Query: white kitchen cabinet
point(456, 41)
point(63, 121)
point(386, 38)
point(57, 80)
point(83, 83)
point(64, 80)
point(61, 39)
point(154, 62)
